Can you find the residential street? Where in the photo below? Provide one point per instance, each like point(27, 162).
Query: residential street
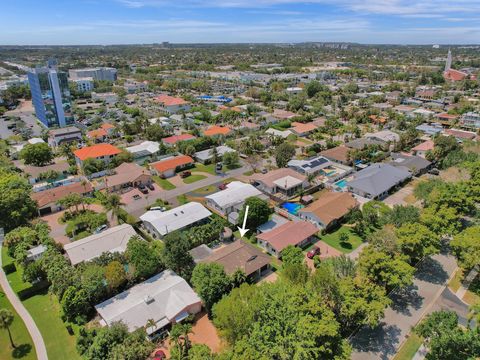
point(137, 207)
point(424, 296)
point(24, 314)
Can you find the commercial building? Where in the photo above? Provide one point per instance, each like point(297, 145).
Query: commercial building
point(57, 137)
point(99, 73)
point(50, 96)
point(84, 84)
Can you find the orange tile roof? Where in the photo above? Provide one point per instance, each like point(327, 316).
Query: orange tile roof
point(52, 195)
point(425, 146)
point(290, 233)
point(455, 75)
point(301, 128)
point(378, 119)
point(96, 151)
point(217, 130)
point(167, 100)
point(176, 138)
point(97, 133)
point(107, 126)
point(172, 163)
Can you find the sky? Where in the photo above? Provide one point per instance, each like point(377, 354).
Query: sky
point(83, 22)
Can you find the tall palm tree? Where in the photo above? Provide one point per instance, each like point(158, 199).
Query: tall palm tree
point(6, 319)
point(150, 324)
point(113, 203)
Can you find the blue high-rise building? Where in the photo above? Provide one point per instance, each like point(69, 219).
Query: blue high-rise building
point(51, 95)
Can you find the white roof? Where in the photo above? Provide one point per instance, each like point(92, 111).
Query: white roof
point(146, 147)
point(287, 182)
point(177, 218)
point(423, 112)
point(384, 135)
point(161, 298)
point(111, 240)
point(36, 141)
point(206, 154)
point(235, 193)
point(284, 134)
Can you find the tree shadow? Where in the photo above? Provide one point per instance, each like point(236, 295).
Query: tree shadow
point(21, 351)
point(431, 271)
point(346, 245)
point(381, 341)
point(406, 299)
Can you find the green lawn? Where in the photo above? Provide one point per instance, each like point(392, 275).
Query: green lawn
point(409, 347)
point(163, 183)
point(45, 311)
point(205, 190)
point(182, 199)
point(456, 281)
point(21, 338)
point(248, 173)
point(210, 168)
point(472, 296)
point(333, 239)
point(193, 178)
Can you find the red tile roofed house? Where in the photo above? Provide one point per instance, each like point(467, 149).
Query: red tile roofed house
point(329, 209)
point(378, 119)
point(446, 118)
point(173, 140)
point(171, 104)
point(283, 114)
point(302, 129)
point(338, 154)
point(421, 149)
point(103, 152)
point(217, 130)
point(296, 233)
point(47, 199)
point(461, 135)
point(168, 167)
point(97, 134)
point(456, 75)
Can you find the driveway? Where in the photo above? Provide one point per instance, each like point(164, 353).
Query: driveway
point(326, 251)
point(408, 307)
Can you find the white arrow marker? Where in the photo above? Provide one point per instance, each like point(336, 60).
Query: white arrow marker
point(242, 230)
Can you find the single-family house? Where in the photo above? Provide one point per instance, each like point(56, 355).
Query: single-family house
point(384, 136)
point(422, 148)
point(127, 175)
point(283, 134)
point(470, 120)
point(375, 181)
point(36, 252)
point(283, 114)
point(47, 199)
point(240, 255)
point(338, 154)
point(36, 173)
point(216, 130)
point(102, 152)
point(362, 143)
point(174, 139)
point(415, 164)
point(430, 129)
point(113, 240)
point(165, 298)
point(284, 182)
point(296, 233)
point(144, 151)
point(446, 118)
point(303, 129)
point(160, 223)
point(168, 167)
point(171, 104)
point(329, 209)
point(310, 166)
point(205, 156)
point(423, 113)
point(460, 135)
point(231, 199)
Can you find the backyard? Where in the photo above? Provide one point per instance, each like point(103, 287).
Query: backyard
point(343, 239)
point(163, 183)
point(45, 311)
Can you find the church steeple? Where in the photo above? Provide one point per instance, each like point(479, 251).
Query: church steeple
point(448, 64)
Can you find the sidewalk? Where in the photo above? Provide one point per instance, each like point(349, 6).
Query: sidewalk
point(24, 314)
point(466, 283)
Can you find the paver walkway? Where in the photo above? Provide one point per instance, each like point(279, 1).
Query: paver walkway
point(24, 314)
point(466, 283)
point(408, 307)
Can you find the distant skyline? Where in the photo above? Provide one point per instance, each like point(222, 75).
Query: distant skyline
point(92, 22)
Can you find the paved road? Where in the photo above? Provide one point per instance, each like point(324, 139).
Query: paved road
point(24, 314)
point(407, 309)
point(137, 207)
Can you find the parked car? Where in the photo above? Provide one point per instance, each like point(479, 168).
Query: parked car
point(314, 251)
point(150, 187)
point(218, 167)
point(185, 174)
point(101, 228)
point(143, 188)
point(158, 208)
point(222, 186)
point(434, 171)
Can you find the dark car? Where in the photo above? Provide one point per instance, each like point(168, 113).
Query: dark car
point(434, 171)
point(222, 186)
point(314, 251)
point(150, 187)
point(142, 189)
point(185, 174)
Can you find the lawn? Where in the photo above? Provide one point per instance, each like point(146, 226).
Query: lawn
point(210, 168)
point(182, 199)
point(409, 347)
point(472, 296)
point(21, 338)
point(193, 178)
point(456, 281)
point(163, 183)
point(205, 190)
point(248, 173)
point(45, 311)
point(333, 239)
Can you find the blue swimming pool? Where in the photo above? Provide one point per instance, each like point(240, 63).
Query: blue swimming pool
point(292, 208)
point(341, 184)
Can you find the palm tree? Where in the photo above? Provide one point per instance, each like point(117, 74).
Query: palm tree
point(113, 203)
point(6, 319)
point(151, 324)
point(180, 332)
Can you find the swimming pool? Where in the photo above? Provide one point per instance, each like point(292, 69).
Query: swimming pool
point(292, 208)
point(341, 184)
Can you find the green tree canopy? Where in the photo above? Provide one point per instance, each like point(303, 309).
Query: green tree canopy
point(39, 154)
point(466, 246)
point(258, 212)
point(210, 282)
point(283, 154)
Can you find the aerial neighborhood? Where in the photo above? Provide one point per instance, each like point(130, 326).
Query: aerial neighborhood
point(263, 202)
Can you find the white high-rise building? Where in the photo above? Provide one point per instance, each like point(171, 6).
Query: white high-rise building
point(448, 63)
point(100, 73)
